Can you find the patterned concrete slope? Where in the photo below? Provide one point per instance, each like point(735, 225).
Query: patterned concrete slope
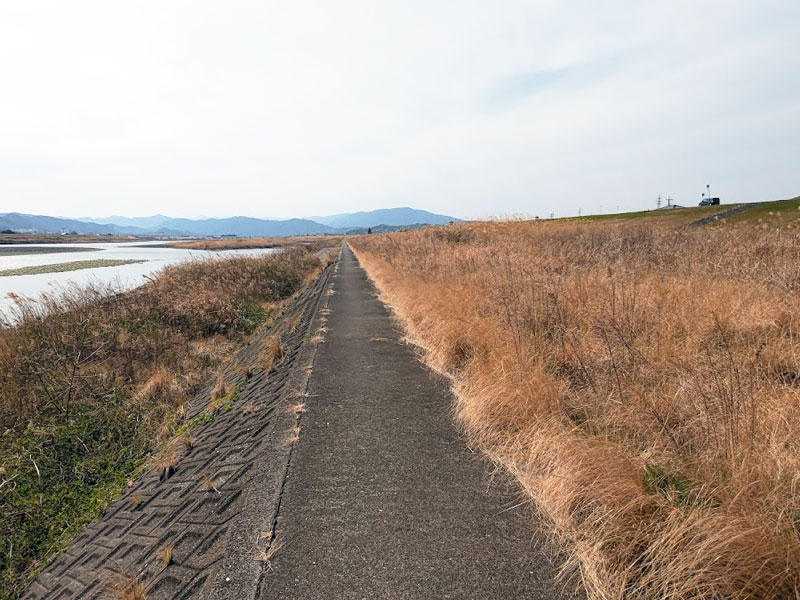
point(215, 534)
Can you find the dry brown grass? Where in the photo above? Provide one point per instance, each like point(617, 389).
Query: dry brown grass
point(128, 588)
point(295, 321)
point(642, 383)
point(208, 484)
point(309, 242)
point(250, 408)
point(164, 463)
point(272, 354)
point(166, 555)
point(162, 384)
point(186, 439)
point(267, 555)
point(221, 389)
point(82, 343)
point(292, 438)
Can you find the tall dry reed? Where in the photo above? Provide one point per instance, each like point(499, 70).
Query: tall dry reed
point(641, 382)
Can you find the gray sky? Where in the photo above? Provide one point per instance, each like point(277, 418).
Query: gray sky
point(280, 109)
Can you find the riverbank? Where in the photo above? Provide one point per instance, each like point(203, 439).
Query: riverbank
point(56, 238)
point(34, 249)
point(139, 262)
point(94, 385)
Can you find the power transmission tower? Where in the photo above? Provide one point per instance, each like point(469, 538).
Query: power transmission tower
point(658, 202)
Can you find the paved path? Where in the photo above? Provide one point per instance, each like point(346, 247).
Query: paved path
point(723, 215)
point(382, 497)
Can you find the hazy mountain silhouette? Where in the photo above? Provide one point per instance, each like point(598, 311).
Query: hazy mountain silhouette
point(44, 224)
point(380, 220)
point(150, 223)
point(385, 216)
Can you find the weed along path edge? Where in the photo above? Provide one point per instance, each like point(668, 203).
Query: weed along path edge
point(382, 498)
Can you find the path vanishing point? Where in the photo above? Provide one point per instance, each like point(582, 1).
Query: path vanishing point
point(377, 496)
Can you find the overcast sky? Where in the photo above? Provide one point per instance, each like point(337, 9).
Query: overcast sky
point(297, 108)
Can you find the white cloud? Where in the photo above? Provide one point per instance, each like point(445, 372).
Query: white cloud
point(285, 109)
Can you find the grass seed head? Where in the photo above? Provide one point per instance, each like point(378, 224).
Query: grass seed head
point(166, 555)
point(128, 588)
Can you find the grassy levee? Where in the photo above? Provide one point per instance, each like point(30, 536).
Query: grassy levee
point(93, 384)
point(771, 213)
point(775, 213)
point(674, 216)
point(640, 380)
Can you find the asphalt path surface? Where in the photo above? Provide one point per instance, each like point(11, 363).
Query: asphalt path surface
point(382, 496)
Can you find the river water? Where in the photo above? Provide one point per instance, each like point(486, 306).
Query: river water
point(126, 276)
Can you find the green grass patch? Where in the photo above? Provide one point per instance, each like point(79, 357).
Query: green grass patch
point(677, 488)
point(251, 315)
point(75, 265)
point(59, 476)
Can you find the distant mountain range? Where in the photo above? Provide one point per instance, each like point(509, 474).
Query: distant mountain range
point(380, 220)
point(149, 223)
point(397, 217)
